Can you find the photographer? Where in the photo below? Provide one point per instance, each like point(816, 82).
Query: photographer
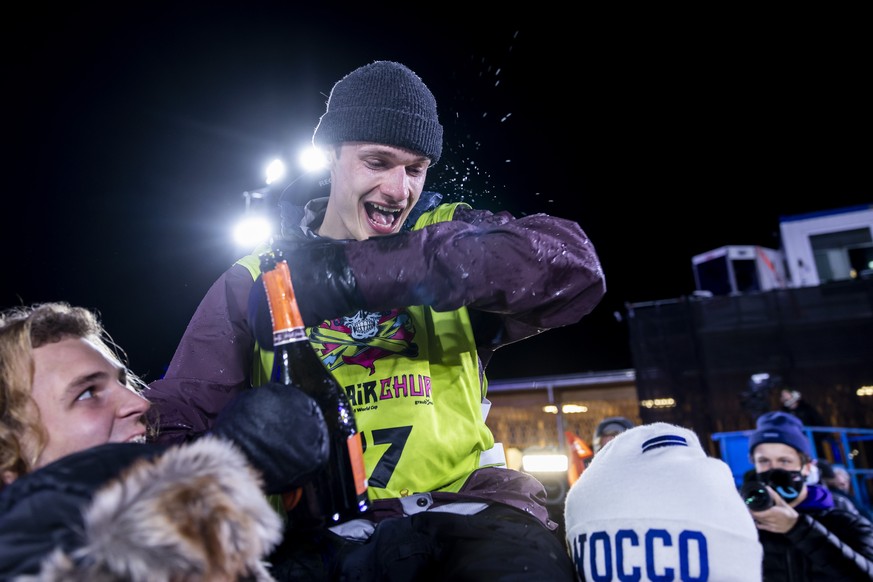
point(804, 535)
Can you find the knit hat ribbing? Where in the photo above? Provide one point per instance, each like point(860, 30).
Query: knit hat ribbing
point(653, 504)
point(779, 427)
point(382, 102)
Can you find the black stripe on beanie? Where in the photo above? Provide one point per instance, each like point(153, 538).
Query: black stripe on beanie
point(382, 102)
point(667, 440)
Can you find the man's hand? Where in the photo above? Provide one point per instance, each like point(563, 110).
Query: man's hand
point(324, 285)
point(778, 519)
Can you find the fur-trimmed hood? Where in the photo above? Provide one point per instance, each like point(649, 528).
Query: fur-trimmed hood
point(195, 513)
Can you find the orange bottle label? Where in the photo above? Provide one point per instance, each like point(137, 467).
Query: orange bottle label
point(283, 302)
point(356, 454)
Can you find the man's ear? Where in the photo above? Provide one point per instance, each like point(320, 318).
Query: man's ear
point(805, 467)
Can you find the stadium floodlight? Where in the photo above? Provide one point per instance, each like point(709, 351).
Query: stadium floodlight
point(254, 228)
point(542, 462)
point(258, 223)
point(276, 171)
point(311, 159)
point(252, 231)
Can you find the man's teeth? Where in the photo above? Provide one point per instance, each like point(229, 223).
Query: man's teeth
point(137, 439)
point(383, 215)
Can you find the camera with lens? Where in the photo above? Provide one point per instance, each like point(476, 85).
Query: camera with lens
point(756, 496)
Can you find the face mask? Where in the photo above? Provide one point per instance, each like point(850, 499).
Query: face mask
point(787, 484)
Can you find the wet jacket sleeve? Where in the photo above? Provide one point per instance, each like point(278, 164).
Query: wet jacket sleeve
point(535, 273)
point(212, 363)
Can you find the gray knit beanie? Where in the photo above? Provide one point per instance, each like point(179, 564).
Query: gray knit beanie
point(383, 102)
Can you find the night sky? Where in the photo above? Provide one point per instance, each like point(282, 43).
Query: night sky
point(134, 133)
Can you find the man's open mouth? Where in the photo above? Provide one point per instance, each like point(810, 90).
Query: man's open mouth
point(382, 217)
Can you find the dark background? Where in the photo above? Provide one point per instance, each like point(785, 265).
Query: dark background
point(134, 132)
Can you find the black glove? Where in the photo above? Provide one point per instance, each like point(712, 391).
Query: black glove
point(324, 284)
point(280, 430)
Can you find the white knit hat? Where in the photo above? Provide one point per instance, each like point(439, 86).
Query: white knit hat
point(653, 502)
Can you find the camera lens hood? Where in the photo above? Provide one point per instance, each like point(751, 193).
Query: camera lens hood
point(756, 496)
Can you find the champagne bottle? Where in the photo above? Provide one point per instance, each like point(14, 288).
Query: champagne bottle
point(338, 492)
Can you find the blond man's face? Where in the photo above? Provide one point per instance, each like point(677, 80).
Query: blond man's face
point(83, 399)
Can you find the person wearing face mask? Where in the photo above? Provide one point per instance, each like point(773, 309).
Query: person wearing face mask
point(804, 534)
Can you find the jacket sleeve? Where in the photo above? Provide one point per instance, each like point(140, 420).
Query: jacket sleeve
point(212, 363)
point(536, 272)
point(844, 552)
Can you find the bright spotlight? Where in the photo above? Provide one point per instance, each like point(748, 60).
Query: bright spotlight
point(545, 463)
point(275, 171)
point(312, 158)
point(254, 228)
point(252, 231)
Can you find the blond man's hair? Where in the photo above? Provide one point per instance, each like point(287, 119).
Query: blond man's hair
point(23, 329)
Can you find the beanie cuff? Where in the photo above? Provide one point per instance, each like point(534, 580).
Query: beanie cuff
point(781, 428)
point(381, 125)
point(710, 551)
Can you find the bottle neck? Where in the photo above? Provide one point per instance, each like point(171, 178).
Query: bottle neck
point(287, 321)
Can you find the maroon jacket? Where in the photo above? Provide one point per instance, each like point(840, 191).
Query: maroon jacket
point(522, 277)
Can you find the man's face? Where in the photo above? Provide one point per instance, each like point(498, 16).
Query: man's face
point(782, 467)
point(842, 481)
point(373, 189)
point(777, 456)
point(83, 399)
point(786, 397)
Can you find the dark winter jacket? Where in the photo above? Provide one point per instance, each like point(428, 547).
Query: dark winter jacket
point(497, 278)
point(126, 511)
point(827, 545)
point(43, 510)
point(526, 275)
point(847, 502)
